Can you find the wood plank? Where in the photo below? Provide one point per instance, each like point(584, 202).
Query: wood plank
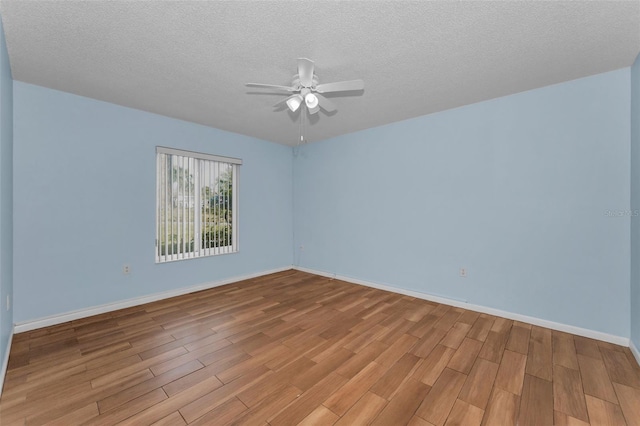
point(519, 339)
point(568, 396)
point(502, 409)
point(494, 346)
point(561, 419)
point(465, 356)
point(604, 413)
point(629, 402)
point(428, 342)
point(388, 384)
point(464, 414)
point(340, 341)
point(469, 317)
point(632, 359)
point(357, 341)
point(610, 346)
point(421, 327)
point(308, 401)
point(130, 408)
point(536, 406)
point(222, 414)
point(356, 363)
point(587, 347)
point(199, 399)
point(396, 351)
point(511, 372)
point(431, 368)
point(394, 332)
point(502, 325)
point(619, 368)
point(448, 319)
point(268, 407)
point(364, 411)
point(117, 399)
point(78, 416)
point(63, 403)
point(539, 361)
point(417, 312)
point(438, 404)
point(319, 371)
point(417, 421)
point(595, 380)
point(477, 388)
point(342, 400)
point(403, 405)
point(272, 383)
point(277, 364)
point(522, 324)
point(564, 350)
point(237, 370)
point(198, 376)
point(107, 379)
point(321, 416)
point(174, 419)
point(481, 328)
point(455, 335)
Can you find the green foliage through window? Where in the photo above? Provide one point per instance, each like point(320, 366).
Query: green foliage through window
point(196, 207)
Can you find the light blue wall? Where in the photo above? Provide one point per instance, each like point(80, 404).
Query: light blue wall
point(6, 197)
point(514, 189)
point(84, 197)
point(635, 202)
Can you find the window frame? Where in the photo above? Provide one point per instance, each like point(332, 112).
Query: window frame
point(199, 250)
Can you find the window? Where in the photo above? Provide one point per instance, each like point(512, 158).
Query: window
point(196, 205)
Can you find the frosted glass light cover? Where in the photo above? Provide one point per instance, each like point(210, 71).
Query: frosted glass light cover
point(311, 100)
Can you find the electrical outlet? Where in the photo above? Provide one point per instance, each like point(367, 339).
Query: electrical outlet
point(301, 247)
point(126, 269)
point(463, 272)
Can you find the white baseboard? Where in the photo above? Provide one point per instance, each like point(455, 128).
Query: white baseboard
point(598, 335)
point(109, 307)
point(5, 361)
point(96, 310)
point(634, 351)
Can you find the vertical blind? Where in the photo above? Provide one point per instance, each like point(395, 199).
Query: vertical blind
point(196, 204)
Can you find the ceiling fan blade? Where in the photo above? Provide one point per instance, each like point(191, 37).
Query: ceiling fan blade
point(271, 86)
point(340, 86)
point(325, 103)
point(305, 71)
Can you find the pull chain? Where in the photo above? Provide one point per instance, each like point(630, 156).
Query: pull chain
point(301, 141)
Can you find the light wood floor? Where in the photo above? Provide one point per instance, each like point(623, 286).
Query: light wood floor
point(293, 348)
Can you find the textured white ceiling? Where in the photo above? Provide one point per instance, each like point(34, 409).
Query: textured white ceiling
point(190, 59)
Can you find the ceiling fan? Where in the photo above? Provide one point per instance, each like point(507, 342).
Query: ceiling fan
point(307, 91)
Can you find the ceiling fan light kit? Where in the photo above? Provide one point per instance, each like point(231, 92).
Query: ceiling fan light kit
point(311, 101)
point(306, 88)
point(294, 102)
